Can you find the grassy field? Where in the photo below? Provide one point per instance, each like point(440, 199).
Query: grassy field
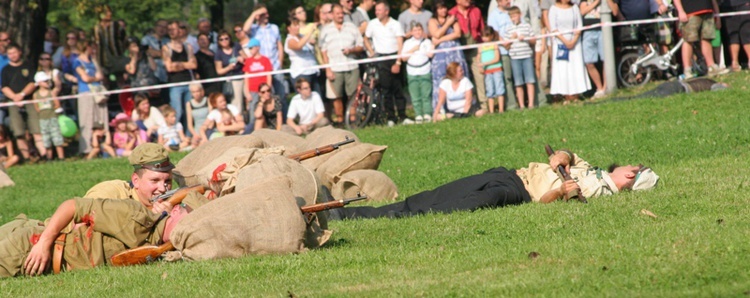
point(696, 246)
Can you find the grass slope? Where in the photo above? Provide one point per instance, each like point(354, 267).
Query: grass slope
point(697, 245)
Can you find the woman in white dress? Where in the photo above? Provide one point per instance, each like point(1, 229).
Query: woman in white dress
point(569, 75)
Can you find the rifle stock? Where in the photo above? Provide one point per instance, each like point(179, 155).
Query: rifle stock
point(573, 194)
point(320, 150)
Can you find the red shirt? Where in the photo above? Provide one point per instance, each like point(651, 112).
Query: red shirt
point(474, 24)
point(253, 65)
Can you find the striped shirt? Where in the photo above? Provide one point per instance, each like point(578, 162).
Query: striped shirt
point(520, 49)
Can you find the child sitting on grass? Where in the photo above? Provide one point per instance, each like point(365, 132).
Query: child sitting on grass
point(50, 127)
point(492, 67)
point(172, 136)
point(123, 139)
point(100, 140)
point(521, 52)
point(8, 158)
point(418, 72)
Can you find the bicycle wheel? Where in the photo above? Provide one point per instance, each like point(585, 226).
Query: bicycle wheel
point(358, 110)
point(378, 115)
point(626, 77)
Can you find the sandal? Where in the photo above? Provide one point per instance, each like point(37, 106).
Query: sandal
point(736, 68)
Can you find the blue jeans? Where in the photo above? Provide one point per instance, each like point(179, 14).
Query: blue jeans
point(523, 71)
point(178, 97)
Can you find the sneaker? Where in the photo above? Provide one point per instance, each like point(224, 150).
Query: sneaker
point(600, 94)
point(715, 70)
point(418, 119)
point(407, 121)
point(391, 123)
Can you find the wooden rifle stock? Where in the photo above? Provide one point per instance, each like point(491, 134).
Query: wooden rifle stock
point(573, 194)
point(320, 150)
point(330, 205)
point(149, 253)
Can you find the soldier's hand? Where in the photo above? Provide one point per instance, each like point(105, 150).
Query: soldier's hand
point(38, 259)
point(159, 207)
point(569, 186)
point(560, 159)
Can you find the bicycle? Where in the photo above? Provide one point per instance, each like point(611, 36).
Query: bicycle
point(367, 105)
point(636, 69)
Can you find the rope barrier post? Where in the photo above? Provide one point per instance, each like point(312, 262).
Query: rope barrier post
point(610, 75)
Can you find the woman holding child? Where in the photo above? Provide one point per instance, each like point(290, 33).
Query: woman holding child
point(455, 91)
point(148, 118)
point(224, 120)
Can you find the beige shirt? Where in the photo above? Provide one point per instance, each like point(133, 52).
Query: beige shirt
point(113, 189)
point(539, 178)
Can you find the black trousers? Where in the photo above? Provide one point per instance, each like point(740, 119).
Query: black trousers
point(390, 84)
point(494, 188)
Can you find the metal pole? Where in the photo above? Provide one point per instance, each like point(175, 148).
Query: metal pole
point(610, 75)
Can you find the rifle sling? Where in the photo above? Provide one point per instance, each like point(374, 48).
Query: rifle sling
point(57, 253)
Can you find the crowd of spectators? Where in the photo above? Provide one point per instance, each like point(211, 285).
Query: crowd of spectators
point(510, 74)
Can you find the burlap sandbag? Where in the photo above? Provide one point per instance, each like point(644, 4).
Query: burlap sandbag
point(220, 174)
point(376, 185)
point(325, 136)
point(261, 219)
point(185, 170)
point(275, 138)
point(5, 179)
point(305, 187)
point(361, 156)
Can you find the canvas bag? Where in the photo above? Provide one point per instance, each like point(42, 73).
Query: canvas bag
point(305, 187)
point(359, 156)
point(220, 175)
point(275, 138)
point(260, 219)
point(322, 137)
point(4, 178)
point(184, 172)
point(376, 185)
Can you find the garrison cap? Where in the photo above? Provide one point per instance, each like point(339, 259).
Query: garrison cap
point(151, 156)
point(646, 179)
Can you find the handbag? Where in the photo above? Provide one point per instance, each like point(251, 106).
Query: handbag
point(97, 91)
point(562, 52)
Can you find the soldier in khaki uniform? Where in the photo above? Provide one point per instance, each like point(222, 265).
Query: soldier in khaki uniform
point(86, 232)
point(499, 187)
point(152, 176)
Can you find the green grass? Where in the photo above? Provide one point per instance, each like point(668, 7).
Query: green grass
point(697, 246)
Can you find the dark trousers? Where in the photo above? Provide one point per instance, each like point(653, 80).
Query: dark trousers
point(390, 84)
point(494, 188)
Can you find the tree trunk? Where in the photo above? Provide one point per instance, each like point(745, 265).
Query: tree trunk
point(217, 15)
point(26, 21)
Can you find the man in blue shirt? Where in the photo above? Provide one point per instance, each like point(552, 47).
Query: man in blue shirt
point(4, 41)
point(257, 26)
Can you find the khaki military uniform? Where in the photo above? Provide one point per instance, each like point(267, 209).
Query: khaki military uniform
point(113, 189)
point(107, 227)
point(539, 178)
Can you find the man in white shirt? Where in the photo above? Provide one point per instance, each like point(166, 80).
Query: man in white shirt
point(308, 106)
point(388, 39)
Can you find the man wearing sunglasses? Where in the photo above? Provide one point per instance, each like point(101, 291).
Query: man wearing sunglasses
point(499, 187)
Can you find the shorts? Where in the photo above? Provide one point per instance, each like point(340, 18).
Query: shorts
point(593, 46)
point(494, 84)
point(699, 27)
point(51, 134)
point(738, 27)
point(22, 121)
point(523, 71)
point(345, 82)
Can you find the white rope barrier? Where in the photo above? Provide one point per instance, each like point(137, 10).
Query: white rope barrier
point(360, 61)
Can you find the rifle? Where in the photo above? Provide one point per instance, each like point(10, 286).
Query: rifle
point(185, 189)
point(320, 150)
point(149, 253)
point(573, 194)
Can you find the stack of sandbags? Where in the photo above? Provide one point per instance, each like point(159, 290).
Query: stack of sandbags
point(325, 136)
point(184, 172)
point(376, 185)
point(220, 174)
point(263, 218)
